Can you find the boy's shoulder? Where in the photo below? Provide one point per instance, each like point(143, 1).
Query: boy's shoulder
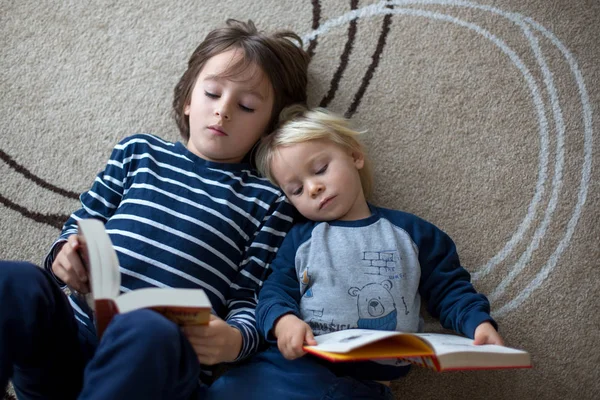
point(147, 139)
point(145, 143)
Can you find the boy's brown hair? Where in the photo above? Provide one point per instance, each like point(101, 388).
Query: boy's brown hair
point(284, 62)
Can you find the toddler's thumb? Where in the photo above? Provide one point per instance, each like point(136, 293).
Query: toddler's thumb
point(479, 340)
point(309, 338)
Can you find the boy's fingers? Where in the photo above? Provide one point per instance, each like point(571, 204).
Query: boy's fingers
point(77, 267)
point(68, 259)
point(70, 280)
point(73, 242)
point(59, 271)
point(194, 331)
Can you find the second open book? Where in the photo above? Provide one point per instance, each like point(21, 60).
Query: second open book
point(438, 351)
point(183, 306)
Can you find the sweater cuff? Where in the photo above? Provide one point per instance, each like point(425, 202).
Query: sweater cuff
point(475, 319)
point(50, 257)
point(274, 313)
point(250, 338)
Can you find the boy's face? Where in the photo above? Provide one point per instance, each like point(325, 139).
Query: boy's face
point(321, 180)
point(228, 115)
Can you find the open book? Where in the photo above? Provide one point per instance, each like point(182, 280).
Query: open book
point(438, 351)
point(183, 306)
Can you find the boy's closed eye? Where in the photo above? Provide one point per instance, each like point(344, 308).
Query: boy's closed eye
point(246, 109)
point(216, 96)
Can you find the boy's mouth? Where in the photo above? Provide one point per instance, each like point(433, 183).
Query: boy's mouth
point(217, 130)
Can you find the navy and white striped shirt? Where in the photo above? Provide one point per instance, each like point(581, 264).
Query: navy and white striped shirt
point(177, 220)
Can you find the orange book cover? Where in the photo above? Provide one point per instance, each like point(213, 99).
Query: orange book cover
point(438, 351)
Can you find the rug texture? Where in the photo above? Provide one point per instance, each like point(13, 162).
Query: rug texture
point(482, 117)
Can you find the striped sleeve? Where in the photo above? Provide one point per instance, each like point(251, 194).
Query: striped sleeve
point(100, 201)
point(254, 270)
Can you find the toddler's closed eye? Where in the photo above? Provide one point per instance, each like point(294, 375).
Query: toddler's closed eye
point(322, 170)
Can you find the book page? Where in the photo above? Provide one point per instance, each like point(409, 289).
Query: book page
point(103, 268)
point(446, 344)
point(350, 339)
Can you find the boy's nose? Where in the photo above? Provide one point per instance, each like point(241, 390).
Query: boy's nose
point(222, 110)
point(221, 113)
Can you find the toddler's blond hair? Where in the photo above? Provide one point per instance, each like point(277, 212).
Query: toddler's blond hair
point(299, 124)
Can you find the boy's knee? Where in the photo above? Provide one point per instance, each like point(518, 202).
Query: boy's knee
point(145, 326)
point(16, 271)
point(20, 278)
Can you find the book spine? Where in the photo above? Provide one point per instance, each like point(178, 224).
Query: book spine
point(105, 310)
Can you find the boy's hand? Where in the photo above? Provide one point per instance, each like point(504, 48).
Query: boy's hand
point(486, 334)
point(291, 333)
point(69, 268)
point(216, 342)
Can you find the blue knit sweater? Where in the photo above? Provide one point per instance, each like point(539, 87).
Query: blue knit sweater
point(177, 220)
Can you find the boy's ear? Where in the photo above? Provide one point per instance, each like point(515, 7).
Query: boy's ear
point(359, 159)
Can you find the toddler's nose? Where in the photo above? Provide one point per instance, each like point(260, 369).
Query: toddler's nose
point(316, 189)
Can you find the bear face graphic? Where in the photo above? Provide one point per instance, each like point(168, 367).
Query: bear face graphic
point(376, 306)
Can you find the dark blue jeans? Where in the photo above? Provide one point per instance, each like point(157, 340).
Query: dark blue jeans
point(268, 375)
point(48, 354)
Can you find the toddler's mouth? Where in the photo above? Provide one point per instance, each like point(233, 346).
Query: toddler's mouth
point(325, 202)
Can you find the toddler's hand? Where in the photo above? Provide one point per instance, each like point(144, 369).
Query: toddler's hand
point(486, 334)
point(291, 333)
point(68, 266)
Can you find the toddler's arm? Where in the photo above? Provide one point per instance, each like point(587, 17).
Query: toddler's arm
point(446, 286)
point(279, 299)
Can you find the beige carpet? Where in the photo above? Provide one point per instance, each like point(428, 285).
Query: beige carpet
point(482, 118)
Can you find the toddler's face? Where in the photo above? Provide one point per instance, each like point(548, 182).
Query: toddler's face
point(321, 180)
point(228, 115)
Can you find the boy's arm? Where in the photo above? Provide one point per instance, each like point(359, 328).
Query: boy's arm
point(99, 202)
point(446, 286)
point(260, 252)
